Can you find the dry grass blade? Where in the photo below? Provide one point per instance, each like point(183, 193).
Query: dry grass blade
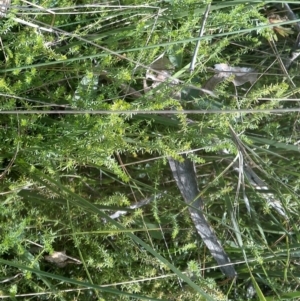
point(185, 176)
point(256, 182)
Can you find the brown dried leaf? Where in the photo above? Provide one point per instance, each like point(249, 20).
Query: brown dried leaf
point(241, 74)
point(164, 66)
point(4, 5)
point(56, 257)
point(61, 259)
point(162, 63)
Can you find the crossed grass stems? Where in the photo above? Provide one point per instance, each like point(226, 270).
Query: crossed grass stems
point(177, 272)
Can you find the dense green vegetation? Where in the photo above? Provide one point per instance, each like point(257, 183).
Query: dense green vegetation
point(64, 174)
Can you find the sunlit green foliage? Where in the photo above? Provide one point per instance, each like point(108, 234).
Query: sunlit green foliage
point(66, 168)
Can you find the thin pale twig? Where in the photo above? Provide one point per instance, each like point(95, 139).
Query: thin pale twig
point(256, 182)
point(192, 67)
point(146, 112)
